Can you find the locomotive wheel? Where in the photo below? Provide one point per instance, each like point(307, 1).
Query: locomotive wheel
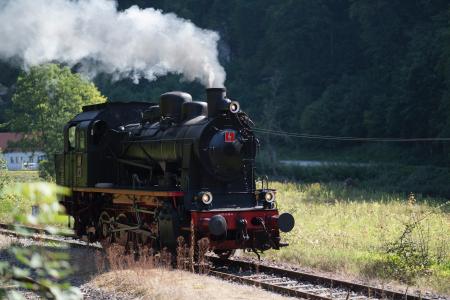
point(104, 226)
point(121, 237)
point(225, 254)
point(143, 238)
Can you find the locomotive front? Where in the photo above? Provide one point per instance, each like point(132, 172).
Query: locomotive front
point(210, 156)
point(242, 216)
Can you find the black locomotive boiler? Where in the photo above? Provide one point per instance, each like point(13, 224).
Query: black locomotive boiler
point(143, 173)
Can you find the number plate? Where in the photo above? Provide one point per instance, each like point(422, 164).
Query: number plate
point(230, 136)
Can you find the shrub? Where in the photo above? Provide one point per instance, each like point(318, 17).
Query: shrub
point(3, 165)
point(415, 252)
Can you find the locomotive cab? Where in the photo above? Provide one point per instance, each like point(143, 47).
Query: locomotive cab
point(84, 162)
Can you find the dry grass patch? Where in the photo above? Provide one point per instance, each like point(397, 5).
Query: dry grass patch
point(145, 275)
point(173, 284)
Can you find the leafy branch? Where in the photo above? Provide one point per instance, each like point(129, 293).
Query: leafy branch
point(37, 268)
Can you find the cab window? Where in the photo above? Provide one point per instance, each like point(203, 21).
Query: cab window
point(71, 136)
point(81, 140)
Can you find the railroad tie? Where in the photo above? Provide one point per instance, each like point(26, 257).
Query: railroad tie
point(302, 286)
point(343, 295)
point(272, 279)
point(287, 283)
point(253, 276)
point(318, 290)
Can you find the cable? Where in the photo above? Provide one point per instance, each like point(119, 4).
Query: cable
point(348, 138)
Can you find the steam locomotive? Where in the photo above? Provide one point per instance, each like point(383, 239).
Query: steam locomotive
point(146, 173)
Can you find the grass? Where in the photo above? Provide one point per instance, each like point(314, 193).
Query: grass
point(352, 230)
point(24, 176)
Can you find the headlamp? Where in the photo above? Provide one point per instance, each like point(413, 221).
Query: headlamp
point(206, 197)
point(234, 107)
point(269, 196)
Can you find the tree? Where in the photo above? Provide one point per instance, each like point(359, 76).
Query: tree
point(46, 97)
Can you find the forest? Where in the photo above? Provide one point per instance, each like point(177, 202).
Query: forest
point(358, 68)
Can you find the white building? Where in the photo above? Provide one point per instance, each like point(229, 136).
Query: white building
point(17, 159)
point(23, 160)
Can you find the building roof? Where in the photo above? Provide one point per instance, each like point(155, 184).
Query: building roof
point(6, 137)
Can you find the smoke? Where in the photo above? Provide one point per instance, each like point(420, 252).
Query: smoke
point(135, 43)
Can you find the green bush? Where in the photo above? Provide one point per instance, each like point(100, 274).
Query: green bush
point(3, 165)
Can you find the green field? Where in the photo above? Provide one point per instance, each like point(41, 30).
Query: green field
point(350, 230)
point(23, 176)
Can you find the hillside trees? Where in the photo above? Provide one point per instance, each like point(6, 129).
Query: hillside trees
point(346, 67)
point(46, 98)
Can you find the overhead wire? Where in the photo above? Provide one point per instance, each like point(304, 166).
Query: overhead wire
point(349, 138)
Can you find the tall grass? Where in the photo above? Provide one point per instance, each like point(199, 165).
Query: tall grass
point(350, 230)
point(9, 201)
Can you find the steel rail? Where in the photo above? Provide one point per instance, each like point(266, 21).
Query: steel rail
point(37, 233)
point(300, 284)
point(268, 286)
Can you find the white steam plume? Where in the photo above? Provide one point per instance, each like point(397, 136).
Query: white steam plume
point(135, 43)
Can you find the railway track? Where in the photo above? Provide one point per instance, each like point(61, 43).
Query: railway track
point(283, 281)
point(300, 284)
point(38, 233)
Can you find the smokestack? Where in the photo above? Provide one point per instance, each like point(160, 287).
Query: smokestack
point(217, 101)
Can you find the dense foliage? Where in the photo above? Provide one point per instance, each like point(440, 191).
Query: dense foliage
point(348, 68)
